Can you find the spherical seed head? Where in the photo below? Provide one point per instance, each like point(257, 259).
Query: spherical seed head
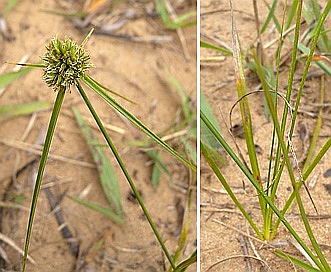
point(64, 61)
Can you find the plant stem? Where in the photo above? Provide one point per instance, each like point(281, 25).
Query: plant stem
point(41, 169)
point(125, 172)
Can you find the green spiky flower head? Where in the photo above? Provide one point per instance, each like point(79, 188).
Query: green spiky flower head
point(64, 62)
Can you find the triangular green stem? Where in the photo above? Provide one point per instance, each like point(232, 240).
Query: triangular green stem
point(41, 169)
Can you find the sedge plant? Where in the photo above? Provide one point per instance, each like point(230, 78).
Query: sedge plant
point(65, 64)
point(281, 135)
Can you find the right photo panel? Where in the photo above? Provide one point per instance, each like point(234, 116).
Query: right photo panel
point(265, 135)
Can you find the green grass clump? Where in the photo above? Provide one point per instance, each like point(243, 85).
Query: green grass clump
point(281, 146)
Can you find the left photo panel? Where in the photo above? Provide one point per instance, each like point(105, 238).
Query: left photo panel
point(98, 135)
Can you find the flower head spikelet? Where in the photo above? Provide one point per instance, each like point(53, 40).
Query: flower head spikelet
point(65, 61)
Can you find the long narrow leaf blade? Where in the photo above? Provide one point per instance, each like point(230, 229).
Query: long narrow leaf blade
point(186, 263)
point(11, 111)
point(207, 137)
point(10, 5)
point(106, 172)
point(271, 15)
point(214, 47)
point(296, 261)
point(91, 83)
point(217, 172)
point(93, 206)
point(6, 79)
point(158, 167)
point(184, 20)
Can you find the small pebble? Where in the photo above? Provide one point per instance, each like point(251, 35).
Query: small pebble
point(328, 188)
point(327, 173)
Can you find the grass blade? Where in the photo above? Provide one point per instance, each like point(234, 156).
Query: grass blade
point(271, 15)
point(226, 186)
point(317, 129)
point(91, 83)
point(185, 264)
point(296, 261)
point(311, 13)
point(158, 167)
point(292, 10)
point(214, 47)
point(317, 159)
point(324, 264)
point(106, 172)
point(156, 173)
point(189, 114)
point(190, 149)
point(185, 224)
point(41, 169)
point(11, 111)
point(182, 21)
point(93, 206)
point(207, 137)
point(10, 5)
point(112, 92)
point(6, 79)
point(305, 175)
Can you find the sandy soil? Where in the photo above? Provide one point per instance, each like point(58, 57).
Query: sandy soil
point(223, 228)
point(141, 71)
